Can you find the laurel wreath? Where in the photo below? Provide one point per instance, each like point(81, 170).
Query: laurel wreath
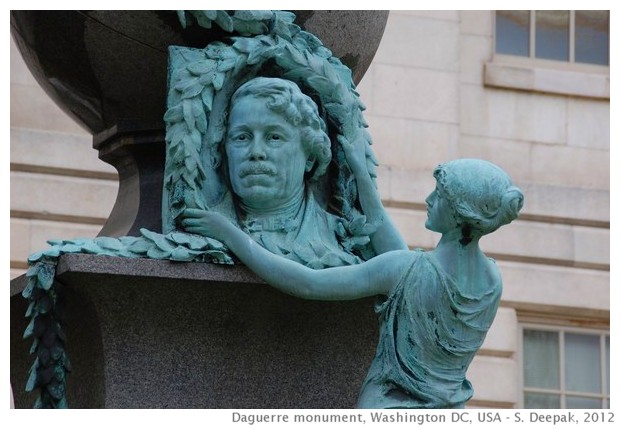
point(204, 79)
point(200, 91)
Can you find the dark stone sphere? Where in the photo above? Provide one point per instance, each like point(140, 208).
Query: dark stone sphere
point(107, 67)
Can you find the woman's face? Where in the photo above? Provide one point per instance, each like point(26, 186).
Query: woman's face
point(441, 216)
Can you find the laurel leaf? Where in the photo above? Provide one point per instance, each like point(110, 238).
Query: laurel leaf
point(330, 74)
point(179, 238)
point(182, 18)
point(139, 247)
point(66, 363)
point(244, 44)
point(224, 21)
point(323, 52)
point(69, 248)
point(90, 247)
point(340, 230)
point(191, 55)
point(240, 63)
point(185, 83)
point(311, 40)
point(32, 270)
point(357, 224)
point(201, 121)
point(225, 64)
point(203, 21)
point(203, 17)
point(189, 177)
point(188, 152)
point(35, 257)
point(368, 229)
point(215, 49)
point(158, 239)
point(45, 276)
point(296, 75)
point(187, 114)
point(32, 382)
point(29, 329)
point(175, 134)
point(359, 241)
point(202, 244)
point(284, 28)
point(295, 55)
point(253, 15)
point(338, 111)
point(174, 114)
point(52, 253)
point(211, 14)
point(191, 163)
point(31, 308)
point(219, 257)
point(207, 97)
point(315, 62)
point(181, 254)
point(192, 90)
point(201, 67)
point(218, 81)
point(56, 390)
point(255, 56)
point(62, 404)
point(320, 84)
point(108, 243)
point(196, 139)
point(249, 28)
point(197, 107)
point(156, 253)
point(59, 372)
point(185, 143)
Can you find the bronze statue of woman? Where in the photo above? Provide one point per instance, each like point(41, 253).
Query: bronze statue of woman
point(435, 307)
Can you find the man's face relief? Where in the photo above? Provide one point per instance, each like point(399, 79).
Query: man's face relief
point(266, 159)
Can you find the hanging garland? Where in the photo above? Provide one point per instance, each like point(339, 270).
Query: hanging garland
point(51, 364)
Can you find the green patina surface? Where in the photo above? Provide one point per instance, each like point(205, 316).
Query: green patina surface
point(266, 138)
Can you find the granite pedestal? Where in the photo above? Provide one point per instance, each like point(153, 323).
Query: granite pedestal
point(159, 334)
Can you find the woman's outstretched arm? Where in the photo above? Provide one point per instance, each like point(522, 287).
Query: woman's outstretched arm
point(374, 277)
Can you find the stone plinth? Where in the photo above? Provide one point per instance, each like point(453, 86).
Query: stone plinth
point(160, 334)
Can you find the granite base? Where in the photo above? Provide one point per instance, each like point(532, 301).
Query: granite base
point(159, 334)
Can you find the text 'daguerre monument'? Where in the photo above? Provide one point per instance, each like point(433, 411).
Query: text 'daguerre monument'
point(265, 162)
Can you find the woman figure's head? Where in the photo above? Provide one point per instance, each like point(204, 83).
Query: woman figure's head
point(480, 195)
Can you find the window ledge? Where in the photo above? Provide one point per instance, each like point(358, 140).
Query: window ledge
point(543, 77)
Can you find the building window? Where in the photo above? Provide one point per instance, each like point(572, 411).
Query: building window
point(565, 368)
point(573, 36)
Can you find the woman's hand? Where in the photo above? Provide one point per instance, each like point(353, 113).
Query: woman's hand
point(354, 148)
point(205, 223)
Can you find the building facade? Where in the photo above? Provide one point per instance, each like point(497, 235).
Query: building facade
point(443, 85)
